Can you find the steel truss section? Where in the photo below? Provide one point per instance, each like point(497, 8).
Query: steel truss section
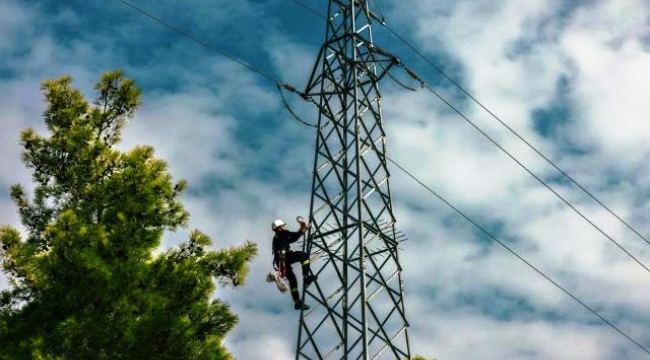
point(357, 303)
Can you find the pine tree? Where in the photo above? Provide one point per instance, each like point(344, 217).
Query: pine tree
point(85, 282)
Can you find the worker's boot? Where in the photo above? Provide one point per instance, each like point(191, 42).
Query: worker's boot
point(299, 305)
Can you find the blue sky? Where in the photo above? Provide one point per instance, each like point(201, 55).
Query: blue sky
point(572, 77)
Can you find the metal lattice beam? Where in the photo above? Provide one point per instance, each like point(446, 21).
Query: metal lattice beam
point(357, 303)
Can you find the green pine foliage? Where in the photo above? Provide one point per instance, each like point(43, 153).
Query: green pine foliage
point(85, 282)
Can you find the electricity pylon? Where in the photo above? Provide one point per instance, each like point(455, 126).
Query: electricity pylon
point(357, 303)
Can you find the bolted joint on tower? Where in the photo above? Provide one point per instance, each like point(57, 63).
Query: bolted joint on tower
point(357, 303)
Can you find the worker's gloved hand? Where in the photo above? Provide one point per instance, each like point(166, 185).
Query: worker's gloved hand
point(303, 222)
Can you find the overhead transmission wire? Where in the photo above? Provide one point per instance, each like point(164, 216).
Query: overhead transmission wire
point(541, 273)
point(196, 39)
point(412, 74)
point(541, 181)
point(498, 241)
point(514, 253)
point(514, 132)
point(309, 8)
point(280, 85)
point(476, 127)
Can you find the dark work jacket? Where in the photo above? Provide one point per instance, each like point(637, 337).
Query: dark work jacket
point(283, 239)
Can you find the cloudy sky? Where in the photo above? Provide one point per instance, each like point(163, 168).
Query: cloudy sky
point(570, 76)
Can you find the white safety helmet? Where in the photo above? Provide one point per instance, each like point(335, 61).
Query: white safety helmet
point(276, 224)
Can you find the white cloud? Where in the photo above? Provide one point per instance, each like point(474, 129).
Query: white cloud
point(184, 132)
point(13, 17)
point(466, 335)
point(295, 61)
point(608, 49)
point(478, 179)
point(511, 55)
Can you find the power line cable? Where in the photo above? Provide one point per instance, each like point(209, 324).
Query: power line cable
point(513, 252)
point(289, 109)
point(575, 209)
point(194, 38)
point(381, 10)
point(310, 9)
point(509, 249)
point(520, 137)
point(545, 184)
point(279, 84)
point(197, 40)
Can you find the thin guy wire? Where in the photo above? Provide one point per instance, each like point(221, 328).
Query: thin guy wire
point(535, 176)
point(194, 38)
point(549, 161)
point(538, 271)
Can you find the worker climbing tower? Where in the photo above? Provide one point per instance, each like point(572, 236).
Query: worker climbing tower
point(357, 306)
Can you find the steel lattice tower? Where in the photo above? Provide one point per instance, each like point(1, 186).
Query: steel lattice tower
point(357, 303)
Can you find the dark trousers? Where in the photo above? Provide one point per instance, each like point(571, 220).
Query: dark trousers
point(291, 258)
